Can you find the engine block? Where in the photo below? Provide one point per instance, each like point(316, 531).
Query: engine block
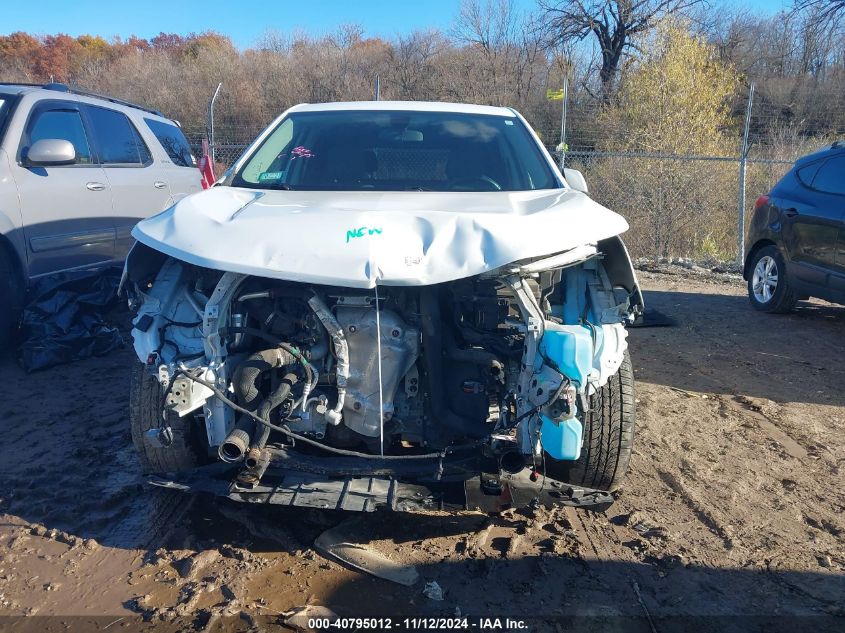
point(399, 351)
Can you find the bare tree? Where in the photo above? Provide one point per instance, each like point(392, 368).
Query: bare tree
point(824, 10)
point(412, 65)
point(613, 23)
point(503, 51)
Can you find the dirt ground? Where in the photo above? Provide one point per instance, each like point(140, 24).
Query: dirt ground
point(731, 517)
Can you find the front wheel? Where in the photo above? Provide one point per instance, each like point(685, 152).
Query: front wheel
point(608, 436)
point(768, 285)
point(146, 401)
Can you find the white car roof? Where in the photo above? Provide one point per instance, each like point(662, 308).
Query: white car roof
point(411, 106)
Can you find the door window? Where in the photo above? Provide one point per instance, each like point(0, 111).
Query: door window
point(118, 141)
point(63, 124)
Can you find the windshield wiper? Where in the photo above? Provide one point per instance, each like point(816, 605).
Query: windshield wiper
point(282, 185)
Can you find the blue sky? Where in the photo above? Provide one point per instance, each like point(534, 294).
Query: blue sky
point(243, 22)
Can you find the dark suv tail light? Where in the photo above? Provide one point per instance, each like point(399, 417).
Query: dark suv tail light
point(760, 202)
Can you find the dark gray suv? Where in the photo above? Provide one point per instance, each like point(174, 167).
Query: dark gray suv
point(797, 235)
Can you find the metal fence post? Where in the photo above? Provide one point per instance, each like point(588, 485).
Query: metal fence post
point(563, 121)
point(743, 160)
point(211, 121)
point(377, 89)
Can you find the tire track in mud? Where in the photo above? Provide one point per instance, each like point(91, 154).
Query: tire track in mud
point(170, 509)
point(727, 396)
point(616, 563)
point(698, 510)
point(594, 531)
point(746, 408)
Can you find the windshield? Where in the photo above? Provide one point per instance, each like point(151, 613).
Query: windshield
point(398, 151)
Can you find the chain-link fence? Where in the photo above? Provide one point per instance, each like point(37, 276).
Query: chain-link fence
point(677, 204)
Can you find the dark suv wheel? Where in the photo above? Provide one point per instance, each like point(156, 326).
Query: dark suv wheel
point(11, 298)
point(768, 284)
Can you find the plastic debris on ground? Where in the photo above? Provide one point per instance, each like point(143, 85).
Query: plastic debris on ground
point(337, 543)
point(65, 318)
point(303, 618)
point(654, 318)
point(433, 591)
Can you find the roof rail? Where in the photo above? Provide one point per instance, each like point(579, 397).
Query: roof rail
point(58, 87)
point(20, 84)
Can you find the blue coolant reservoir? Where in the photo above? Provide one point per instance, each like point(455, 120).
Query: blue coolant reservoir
point(571, 349)
point(561, 440)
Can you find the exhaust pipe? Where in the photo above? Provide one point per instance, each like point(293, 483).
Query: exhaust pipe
point(512, 462)
point(254, 457)
point(257, 461)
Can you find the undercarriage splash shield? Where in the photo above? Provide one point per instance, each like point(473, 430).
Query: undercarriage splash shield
point(367, 494)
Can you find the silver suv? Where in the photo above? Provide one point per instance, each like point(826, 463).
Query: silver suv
point(77, 172)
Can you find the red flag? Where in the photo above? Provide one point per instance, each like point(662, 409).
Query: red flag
point(206, 168)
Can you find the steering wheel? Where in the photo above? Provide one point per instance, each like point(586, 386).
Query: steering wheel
point(465, 184)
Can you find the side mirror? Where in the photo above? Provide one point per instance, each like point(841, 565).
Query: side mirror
point(51, 151)
point(575, 179)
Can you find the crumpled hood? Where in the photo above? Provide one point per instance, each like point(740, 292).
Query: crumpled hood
point(360, 238)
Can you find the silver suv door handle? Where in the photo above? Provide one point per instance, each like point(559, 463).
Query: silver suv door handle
point(158, 184)
point(95, 186)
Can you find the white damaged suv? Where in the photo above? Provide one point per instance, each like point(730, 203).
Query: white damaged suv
point(395, 304)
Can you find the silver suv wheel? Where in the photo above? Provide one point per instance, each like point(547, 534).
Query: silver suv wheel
point(764, 281)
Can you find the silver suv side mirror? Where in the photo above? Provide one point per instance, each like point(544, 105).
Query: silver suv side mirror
point(575, 179)
point(51, 151)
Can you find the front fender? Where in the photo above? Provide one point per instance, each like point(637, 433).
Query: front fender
point(620, 271)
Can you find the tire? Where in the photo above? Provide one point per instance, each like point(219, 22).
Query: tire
point(146, 400)
point(11, 287)
point(608, 436)
point(777, 299)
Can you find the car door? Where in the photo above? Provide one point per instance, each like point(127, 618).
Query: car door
point(66, 209)
point(812, 218)
point(829, 185)
point(138, 189)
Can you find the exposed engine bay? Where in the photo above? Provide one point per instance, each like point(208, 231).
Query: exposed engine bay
point(491, 372)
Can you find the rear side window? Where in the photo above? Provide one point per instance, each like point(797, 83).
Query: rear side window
point(173, 142)
point(807, 173)
point(117, 139)
point(63, 124)
point(831, 176)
